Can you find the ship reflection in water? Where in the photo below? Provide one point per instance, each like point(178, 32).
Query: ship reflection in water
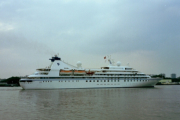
point(106, 104)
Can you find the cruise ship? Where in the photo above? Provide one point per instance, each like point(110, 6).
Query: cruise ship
point(61, 75)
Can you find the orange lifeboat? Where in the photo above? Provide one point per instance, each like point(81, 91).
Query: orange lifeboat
point(65, 71)
point(79, 72)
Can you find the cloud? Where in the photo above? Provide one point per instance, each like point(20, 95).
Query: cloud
point(93, 28)
point(5, 27)
point(18, 43)
point(20, 56)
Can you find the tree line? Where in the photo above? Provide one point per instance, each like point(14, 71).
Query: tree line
point(12, 80)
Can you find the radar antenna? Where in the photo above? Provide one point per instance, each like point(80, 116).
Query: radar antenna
point(111, 62)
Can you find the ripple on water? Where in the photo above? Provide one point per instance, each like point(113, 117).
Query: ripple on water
point(161, 102)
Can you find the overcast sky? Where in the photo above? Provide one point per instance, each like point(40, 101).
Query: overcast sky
point(143, 33)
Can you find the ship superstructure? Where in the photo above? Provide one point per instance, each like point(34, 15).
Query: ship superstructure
point(63, 75)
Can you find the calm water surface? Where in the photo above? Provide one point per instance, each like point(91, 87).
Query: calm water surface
point(159, 103)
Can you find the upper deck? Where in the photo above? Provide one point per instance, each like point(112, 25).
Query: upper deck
point(59, 68)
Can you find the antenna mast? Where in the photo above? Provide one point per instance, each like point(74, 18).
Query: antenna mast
point(109, 59)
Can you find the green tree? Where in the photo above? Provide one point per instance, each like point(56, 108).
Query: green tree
point(13, 80)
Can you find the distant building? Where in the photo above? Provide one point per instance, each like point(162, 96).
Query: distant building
point(173, 75)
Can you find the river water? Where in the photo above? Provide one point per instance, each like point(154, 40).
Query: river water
point(159, 103)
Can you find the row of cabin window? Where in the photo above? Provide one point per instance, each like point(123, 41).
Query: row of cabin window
point(64, 81)
point(135, 80)
point(102, 80)
point(108, 80)
point(122, 74)
point(47, 81)
point(68, 80)
point(82, 78)
point(114, 80)
point(126, 78)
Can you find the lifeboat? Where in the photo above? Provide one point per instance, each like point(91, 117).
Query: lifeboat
point(79, 72)
point(66, 71)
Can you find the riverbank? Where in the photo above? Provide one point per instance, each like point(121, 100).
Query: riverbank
point(168, 82)
point(159, 83)
point(8, 85)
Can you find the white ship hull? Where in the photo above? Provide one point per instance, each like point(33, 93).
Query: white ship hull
point(61, 84)
point(61, 75)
